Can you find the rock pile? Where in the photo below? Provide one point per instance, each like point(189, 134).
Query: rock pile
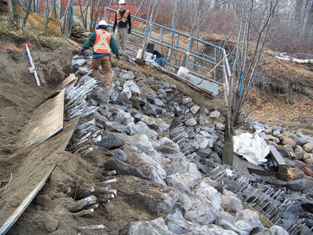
point(160, 143)
point(296, 147)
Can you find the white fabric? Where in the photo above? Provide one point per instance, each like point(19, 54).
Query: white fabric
point(251, 147)
point(121, 2)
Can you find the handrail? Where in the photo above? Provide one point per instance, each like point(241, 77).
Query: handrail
point(200, 61)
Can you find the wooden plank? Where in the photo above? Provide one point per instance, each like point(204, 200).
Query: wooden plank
point(36, 164)
point(46, 121)
point(70, 79)
point(25, 203)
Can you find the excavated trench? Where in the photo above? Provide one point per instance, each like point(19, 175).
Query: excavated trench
point(161, 144)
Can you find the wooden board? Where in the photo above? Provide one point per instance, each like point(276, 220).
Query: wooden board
point(36, 165)
point(46, 121)
point(70, 79)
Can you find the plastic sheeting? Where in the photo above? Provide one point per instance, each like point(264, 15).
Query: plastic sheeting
point(252, 147)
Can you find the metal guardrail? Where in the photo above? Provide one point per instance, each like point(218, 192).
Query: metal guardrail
point(183, 49)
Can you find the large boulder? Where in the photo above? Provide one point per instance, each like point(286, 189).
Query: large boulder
point(185, 181)
point(177, 223)
point(141, 128)
point(157, 124)
point(138, 164)
point(210, 230)
point(248, 220)
point(153, 227)
point(109, 141)
point(156, 199)
point(308, 147)
point(166, 146)
point(200, 211)
point(208, 193)
point(230, 202)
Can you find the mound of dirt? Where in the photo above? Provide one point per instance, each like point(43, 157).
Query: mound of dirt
point(19, 97)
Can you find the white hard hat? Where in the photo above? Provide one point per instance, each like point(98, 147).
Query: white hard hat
point(121, 2)
point(102, 23)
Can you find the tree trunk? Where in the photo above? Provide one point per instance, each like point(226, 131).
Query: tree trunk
point(29, 7)
point(46, 16)
point(228, 157)
point(308, 29)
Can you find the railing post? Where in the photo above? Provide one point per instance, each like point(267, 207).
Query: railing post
point(187, 53)
point(161, 34)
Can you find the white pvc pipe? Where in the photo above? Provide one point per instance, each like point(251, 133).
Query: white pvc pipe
point(32, 68)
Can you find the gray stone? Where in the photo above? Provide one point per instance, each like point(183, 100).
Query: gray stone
point(209, 230)
point(191, 122)
point(195, 109)
point(277, 230)
point(50, 223)
point(123, 117)
point(113, 126)
point(257, 126)
point(277, 132)
point(215, 114)
point(156, 124)
point(155, 198)
point(220, 126)
point(153, 110)
point(299, 152)
point(166, 146)
point(142, 160)
point(110, 141)
point(127, 75)
point(130, 87)
point(272, 139)
point(286, 140)
point(156, 101)
point(308, 147)
point(308, 158)
point(186, 100)
point(177, 223)
point(141, 128)
point(153, 227)
point(204, 153)
point(120, 155)
point(230, 202)
point(199, 211)
point(185, 181)
point(302, 139)
point(247, 220)
point(78, 62)
point(83, 70)
point(208, 193)
point(206, 141)
point(289, 150)
point(268, 130)
point(215, 158)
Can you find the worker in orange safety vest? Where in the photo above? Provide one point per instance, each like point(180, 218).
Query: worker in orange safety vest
point(103, 44)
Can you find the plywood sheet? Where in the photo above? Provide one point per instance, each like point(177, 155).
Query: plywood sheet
point(46, 121)
point(37, 161)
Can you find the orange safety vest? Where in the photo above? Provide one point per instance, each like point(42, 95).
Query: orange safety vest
point(124, 18)
point(102, 44)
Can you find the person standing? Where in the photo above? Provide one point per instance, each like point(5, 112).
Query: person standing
point(103, 44)
point(122, 25)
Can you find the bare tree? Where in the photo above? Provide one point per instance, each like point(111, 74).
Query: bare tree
point(246, 58)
